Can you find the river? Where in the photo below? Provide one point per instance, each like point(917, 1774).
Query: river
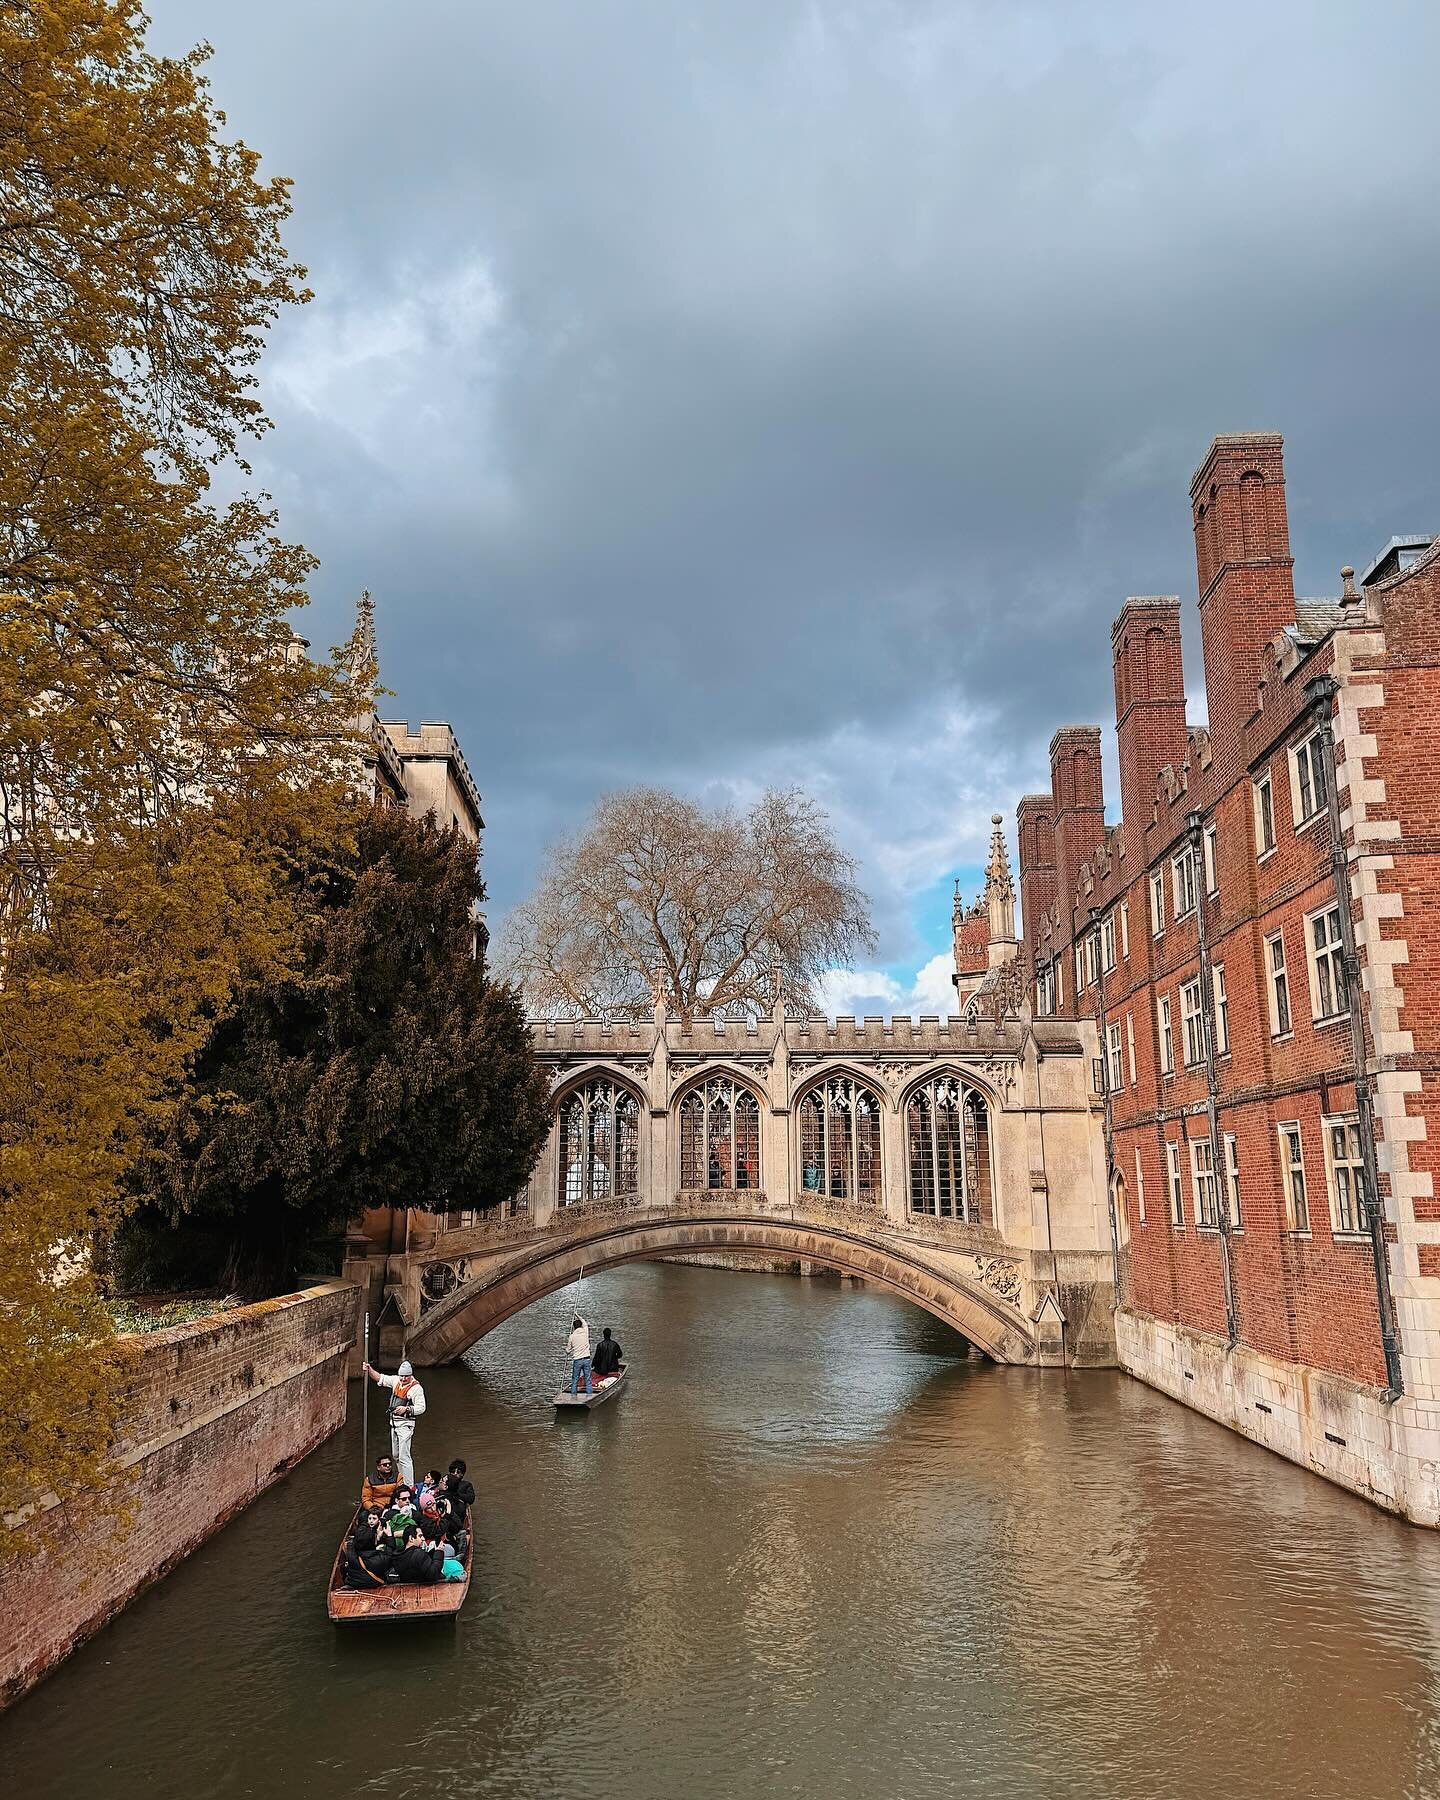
point(815, 1550)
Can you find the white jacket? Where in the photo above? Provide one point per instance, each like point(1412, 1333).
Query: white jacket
point(578, 1343)
point(416, 1394)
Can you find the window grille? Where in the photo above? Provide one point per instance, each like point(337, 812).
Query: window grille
point(1279, 987)
point(1232, 1175)
point(840, 1141)
point(1293, 1158)
point(1182, 869)
point(947, 1132)
point(1310, 779)
point(1193, 1022)
point(599, 1143)
point(1177, 1196)
point(1327, 962)
point(720, 1136)
point(1264, 815)
point(1222, 1010)
point(1202, 1171)
point(1347, 1166)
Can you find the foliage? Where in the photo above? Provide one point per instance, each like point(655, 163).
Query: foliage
point(711, 912)
point(137, 1315)
point(154, 716)
point(386, 1066)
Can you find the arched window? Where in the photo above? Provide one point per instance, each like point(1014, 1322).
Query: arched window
point(840, 1141)
point(947, 1142)
point(720, 1136)
point(599, 1143)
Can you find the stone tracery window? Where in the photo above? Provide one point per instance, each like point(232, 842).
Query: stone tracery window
point(720, 1136)
point(947, 1143)
point(599, 1143)
point(840, 1141)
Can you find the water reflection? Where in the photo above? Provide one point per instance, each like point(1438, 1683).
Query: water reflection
point(814, 1550)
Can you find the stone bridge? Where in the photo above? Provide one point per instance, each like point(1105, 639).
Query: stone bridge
point(957, 1163)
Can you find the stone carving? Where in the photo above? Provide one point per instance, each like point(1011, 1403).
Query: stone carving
point(1001, 1276)
point(1001, 1076)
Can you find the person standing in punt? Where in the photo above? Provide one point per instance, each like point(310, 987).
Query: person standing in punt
point(578, 1346)
point(407, 1402)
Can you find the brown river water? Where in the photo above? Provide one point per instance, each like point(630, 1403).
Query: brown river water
point(814, 1550)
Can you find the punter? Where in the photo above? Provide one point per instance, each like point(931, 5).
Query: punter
point(578, 1344)
point(407, 1402)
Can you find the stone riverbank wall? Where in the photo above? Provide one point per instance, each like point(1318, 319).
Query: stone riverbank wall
point(219, 1409)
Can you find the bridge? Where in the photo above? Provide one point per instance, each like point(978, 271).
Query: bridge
point(955, 1162)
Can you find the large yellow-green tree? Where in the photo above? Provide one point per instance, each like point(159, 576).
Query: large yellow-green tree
point(155, 716)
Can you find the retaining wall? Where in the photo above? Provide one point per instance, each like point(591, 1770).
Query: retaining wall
point(234, 1399)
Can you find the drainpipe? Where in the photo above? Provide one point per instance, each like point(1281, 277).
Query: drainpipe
point(1321, 692)
point(1219, 1167)
point(1100, 1024)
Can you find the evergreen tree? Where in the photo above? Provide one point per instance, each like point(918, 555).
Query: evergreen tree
point(386, 1068)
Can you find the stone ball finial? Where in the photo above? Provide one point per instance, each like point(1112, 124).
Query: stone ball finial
point(997, 818)
point(1348, 595)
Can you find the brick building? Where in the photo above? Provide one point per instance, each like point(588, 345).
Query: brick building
point(1257, 942)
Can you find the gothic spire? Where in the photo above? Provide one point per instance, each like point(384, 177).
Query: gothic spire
point(1000, 896)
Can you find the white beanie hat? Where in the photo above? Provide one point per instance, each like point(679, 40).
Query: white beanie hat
point(405, 1369)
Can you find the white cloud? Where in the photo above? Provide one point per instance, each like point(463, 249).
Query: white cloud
point(855, 992)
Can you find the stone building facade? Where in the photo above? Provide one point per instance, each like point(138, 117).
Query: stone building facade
point(1257, 945)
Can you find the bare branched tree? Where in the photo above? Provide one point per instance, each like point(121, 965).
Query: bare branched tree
point(711, 912)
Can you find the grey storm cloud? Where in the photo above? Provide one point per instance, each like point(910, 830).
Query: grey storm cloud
point(770, 391)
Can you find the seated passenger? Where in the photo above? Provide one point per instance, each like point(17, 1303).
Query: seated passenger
point(606, 1360)
point(366, 1533)
point(398, 1519)
point(379, 1488)
point(365, 1562)
point(417, 1561)
point(460, 1493)
point(432, 1484)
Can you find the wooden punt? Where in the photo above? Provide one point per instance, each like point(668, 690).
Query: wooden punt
point(397, 1603)
point(585, 1401)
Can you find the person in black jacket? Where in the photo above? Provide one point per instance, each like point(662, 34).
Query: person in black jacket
point(608, 1353)
point(417, 1562)
point(365, 1562)
point(460, 1493)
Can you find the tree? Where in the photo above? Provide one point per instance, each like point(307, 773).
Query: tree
point(154, 714)
point(711, 912)
point(387, 1065)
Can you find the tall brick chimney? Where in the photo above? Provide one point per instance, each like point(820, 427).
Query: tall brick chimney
point(1035, 834)
point(1075, 780)
point(1149, 701)
point(1246, 572)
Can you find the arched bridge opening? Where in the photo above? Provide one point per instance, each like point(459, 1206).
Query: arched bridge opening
point(501, 1284)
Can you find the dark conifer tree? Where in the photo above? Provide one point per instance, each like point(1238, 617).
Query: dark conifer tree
point(384, 1068)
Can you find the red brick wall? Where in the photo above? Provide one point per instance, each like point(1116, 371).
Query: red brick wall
point(235, 1400)
point(1300, 1297)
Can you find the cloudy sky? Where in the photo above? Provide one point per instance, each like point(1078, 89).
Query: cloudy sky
point(754, 391)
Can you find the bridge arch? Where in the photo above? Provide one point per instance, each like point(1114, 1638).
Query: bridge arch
point(929, 1279)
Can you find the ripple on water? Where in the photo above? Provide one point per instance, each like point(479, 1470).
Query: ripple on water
point(814, 1551)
